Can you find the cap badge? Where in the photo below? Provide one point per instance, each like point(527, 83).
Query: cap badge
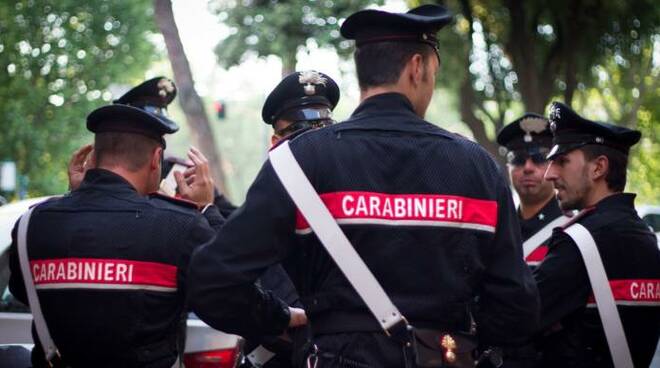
point(310, 79)
point(532, 125)
point(554, 112)
point(165, 87)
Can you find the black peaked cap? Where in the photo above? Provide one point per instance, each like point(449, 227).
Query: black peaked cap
point(529, 130)
point(417, 25)
point(142, 110)
point(298, 90)
point(571, 131)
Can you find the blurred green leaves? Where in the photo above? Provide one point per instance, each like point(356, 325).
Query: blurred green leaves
point(282, 27)
point(57, 60)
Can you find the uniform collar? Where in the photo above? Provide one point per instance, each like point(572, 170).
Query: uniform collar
point(617, 200)
point(549, 212)
point(390, 112)
point(384, 102)
point(106, 180)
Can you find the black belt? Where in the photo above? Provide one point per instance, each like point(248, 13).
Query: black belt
point(340, 321)
point(347, 322)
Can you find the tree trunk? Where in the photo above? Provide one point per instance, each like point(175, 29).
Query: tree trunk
point(522, 49)
point(467, 105)
point(467, 97)
point(190, 101)
point(288, 63)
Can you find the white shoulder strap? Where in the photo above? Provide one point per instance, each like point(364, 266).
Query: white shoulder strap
point(39, 322)
point(332, 237)
point(542, 235)
point(609, 316)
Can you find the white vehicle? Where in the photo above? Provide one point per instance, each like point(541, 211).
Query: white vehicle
point(205, 347)
point(651, 215)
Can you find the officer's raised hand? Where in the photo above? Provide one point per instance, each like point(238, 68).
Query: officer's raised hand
point(298, 317)
point(78, 165)
point(196, 183)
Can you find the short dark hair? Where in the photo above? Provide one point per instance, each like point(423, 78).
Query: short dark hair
point(128, 150)
point(618, 164)
point(381, 63)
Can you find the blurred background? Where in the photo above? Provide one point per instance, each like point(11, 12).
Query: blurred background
point(60, 59)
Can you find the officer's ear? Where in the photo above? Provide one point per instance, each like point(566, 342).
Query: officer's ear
point(417, 69)
point(156, 158)
point(599, 167)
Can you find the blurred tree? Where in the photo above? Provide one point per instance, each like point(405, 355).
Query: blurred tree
point(191, 103)
point(57, 59)
point(514, 55)
point(644, 169)
point(277, 27)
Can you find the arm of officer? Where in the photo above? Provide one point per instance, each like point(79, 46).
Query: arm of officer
point(200, 232)
point(222, 276)
point(562, 280)
point(16, 283)
point(508, 304)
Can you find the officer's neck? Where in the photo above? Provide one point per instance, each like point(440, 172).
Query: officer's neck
point(392, 88)
point(597, 193)
point(138, 179)
point(373, 91)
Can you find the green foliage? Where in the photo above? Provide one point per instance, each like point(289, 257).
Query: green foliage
point(57, 59)
point(599, 56)
point(644, 169)
point(281, 27)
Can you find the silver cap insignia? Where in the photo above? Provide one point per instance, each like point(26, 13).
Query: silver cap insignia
point(310, 79)
point(532, 125)
point(165, 87)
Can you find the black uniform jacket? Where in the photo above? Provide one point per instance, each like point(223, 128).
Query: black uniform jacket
point(109, 266)
point(534, 224)
point(427, 210)
point(632, 261)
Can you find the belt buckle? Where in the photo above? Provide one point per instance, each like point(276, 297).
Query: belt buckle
point(400, 330)
point(55, 357)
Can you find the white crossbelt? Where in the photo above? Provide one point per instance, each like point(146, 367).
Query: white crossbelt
point(260, 356)
point(609, 316)
point(43, 334)
point(542, 235)
point(47, 343)
point(332, 237)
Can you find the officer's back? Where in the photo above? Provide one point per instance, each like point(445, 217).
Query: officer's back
point(108, 260)
point(427, 211)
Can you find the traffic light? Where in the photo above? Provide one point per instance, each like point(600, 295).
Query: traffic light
point(220, 109)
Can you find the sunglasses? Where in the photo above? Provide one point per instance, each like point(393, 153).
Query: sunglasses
point(304, 124)
point(519, 157)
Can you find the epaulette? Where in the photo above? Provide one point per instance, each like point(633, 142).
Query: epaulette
point(177, 201)
point(45, 201)
point(577, 217)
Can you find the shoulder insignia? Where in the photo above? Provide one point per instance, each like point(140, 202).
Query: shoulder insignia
point(174, 200)
point(46, 200)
